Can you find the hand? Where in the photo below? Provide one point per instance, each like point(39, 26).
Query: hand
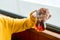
point(32, 16)
point(42, 13)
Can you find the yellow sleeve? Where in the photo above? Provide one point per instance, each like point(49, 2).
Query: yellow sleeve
point(18, 25)
point(22, 24)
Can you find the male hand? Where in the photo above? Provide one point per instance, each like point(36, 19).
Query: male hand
point(43, 14)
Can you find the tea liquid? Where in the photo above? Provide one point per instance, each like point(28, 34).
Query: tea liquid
point(40, 26)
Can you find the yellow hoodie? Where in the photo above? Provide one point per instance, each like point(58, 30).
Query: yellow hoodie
point(9, 25)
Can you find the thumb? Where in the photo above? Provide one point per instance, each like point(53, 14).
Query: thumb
point(32, 17)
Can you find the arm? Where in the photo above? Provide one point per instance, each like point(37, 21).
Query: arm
point(18, 25)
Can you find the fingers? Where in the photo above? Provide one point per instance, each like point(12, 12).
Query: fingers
point(49, 16)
